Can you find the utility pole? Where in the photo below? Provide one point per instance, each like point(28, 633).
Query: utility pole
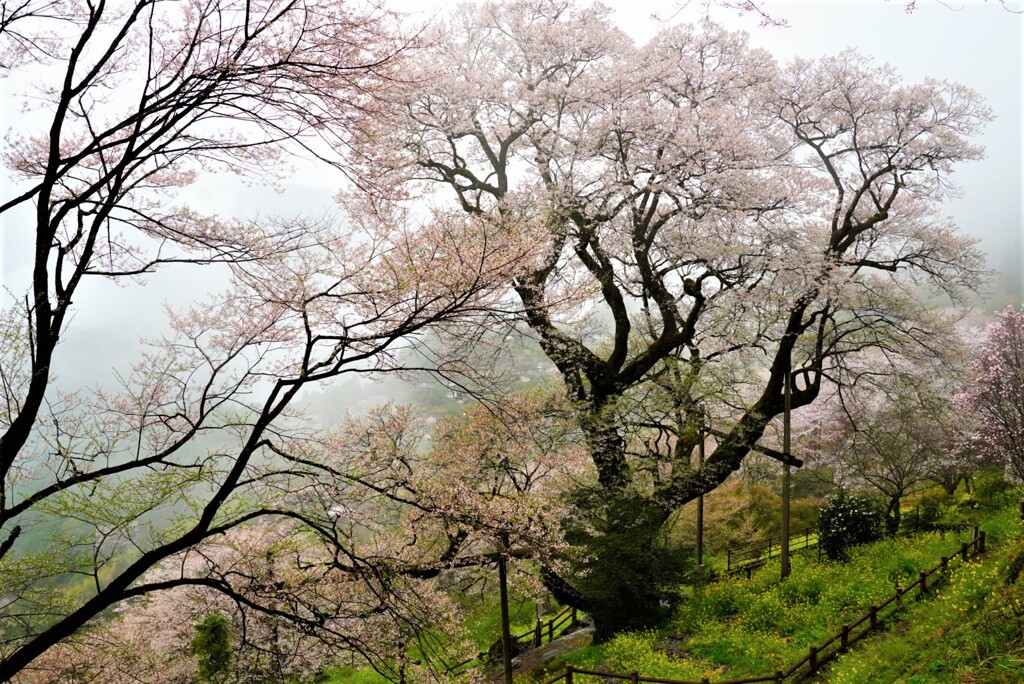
point(700, 506)
point(785, 478)
point(506, 636)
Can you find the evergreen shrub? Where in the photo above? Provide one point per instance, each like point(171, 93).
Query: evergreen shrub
point(211, 646)
point(847, 521)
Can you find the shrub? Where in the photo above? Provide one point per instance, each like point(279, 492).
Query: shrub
point(846, 521)
point(640, 652)
point(764, 613)
point(931, 506)
point(989, 483)
point(212, 648)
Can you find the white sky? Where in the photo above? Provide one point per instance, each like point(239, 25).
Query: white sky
point(977, 43)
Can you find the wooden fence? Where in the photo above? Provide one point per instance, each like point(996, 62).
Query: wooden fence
point(914, 521)
point(820, 654)
point(746, 557)
point(566, 618)
point(749, 556)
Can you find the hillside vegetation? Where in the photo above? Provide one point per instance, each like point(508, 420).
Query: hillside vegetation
point(967, 630)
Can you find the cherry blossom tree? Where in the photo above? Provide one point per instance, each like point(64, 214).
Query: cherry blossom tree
point(897, 438)
point(201, 439)
point(697, 202)
point(359, 562)
point(290, 614)
point(996, 393)
point(201, 444)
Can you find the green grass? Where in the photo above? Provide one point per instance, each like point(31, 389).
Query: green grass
point(740, 628)
point(347, 675)
point(483, 619)
point(971, 632)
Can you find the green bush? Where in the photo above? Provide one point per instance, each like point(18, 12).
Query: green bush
point(212, 648)
point(641, 652)
point(931, 506)
point(989, 484)
point(764, 613)
point(847, 521)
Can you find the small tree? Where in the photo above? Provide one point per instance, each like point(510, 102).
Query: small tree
point(846, 521)
point(212, 648)
point(996, 394)
point(897, 438)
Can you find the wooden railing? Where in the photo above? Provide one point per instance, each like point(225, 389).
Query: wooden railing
point(570, 674)
point(914, 521)
point(819, 654)
point(550, 628)
point(753, 554)
point(567, 617)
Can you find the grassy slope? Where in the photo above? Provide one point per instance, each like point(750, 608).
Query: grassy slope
point(972, 631)
point(969, 631)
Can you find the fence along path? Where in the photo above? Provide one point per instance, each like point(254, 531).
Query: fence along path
point(751, 555)
point(819, 654)
point(564, 620)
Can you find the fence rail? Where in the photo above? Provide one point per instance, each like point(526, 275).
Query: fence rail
point(752, 554)
point(914, 521)
point(566, 618)
point(819, 654)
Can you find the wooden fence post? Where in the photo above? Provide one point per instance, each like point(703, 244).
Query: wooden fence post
point(974, 533)
point(537, 634)
point(844, 639)
point(778, 677)
point(568, 673)
point(874, 616)
point(924, 583)
point(814, 659)
point(634, 677)
point(575, 619)
point(981, 542)
point(551, 630)
point(963, 551)
point(945, 565)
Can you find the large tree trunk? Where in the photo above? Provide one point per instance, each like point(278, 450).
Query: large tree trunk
point(628, 579)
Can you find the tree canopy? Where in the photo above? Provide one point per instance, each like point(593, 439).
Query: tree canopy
point(706, 218)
